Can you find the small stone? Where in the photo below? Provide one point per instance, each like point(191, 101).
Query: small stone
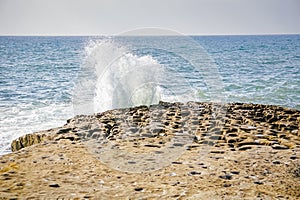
point(276, 162)
point(194, 173)
point(175, 162)
point(293, 157)
point(138, 189)
point(54, 185)
point(72, 138)
point(5, 174)
point(218, 151)
point(235, 172)
point(226, 176)
point(152, 145)
point(227, 185)
point(258, 182)
point(192, 146)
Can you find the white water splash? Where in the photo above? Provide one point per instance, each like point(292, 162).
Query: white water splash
point(113, 77)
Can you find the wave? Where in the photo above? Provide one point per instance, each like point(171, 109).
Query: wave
point(126, 72)
point(113, 77)
point(27, 118)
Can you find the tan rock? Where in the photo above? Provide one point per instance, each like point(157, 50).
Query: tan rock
point(113, 155)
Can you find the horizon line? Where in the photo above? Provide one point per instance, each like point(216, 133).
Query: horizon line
point(115, 35)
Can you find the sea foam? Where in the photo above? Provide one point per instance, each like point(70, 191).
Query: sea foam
point(113, 77)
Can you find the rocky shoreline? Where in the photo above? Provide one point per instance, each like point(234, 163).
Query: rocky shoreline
point(170, 150)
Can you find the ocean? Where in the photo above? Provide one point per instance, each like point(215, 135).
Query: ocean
point(46, 80)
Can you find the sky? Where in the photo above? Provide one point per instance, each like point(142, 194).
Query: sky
point(112, 17)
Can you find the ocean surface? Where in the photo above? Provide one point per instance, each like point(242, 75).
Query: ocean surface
point(46, 80)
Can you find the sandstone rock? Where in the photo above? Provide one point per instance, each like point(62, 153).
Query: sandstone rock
point(28, 140)
point(171, 150)
point(112, 124)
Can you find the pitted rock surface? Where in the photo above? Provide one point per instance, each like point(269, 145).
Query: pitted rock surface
point(165, 151)
point(233, 125)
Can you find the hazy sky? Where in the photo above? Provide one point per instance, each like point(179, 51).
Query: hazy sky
point(110, 17)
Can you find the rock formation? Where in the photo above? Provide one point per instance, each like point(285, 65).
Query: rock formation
point(170, 150)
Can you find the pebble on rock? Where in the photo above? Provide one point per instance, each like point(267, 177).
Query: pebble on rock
point(226, 176)
point(293, 157)
point(54, 185)
point(138, 189)
point(194, 173)
point(258, 182)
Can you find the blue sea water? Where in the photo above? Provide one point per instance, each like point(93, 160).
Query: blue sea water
point(46, 80)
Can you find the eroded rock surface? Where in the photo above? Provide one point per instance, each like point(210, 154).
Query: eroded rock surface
point(165, 151)
point(232, 125)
